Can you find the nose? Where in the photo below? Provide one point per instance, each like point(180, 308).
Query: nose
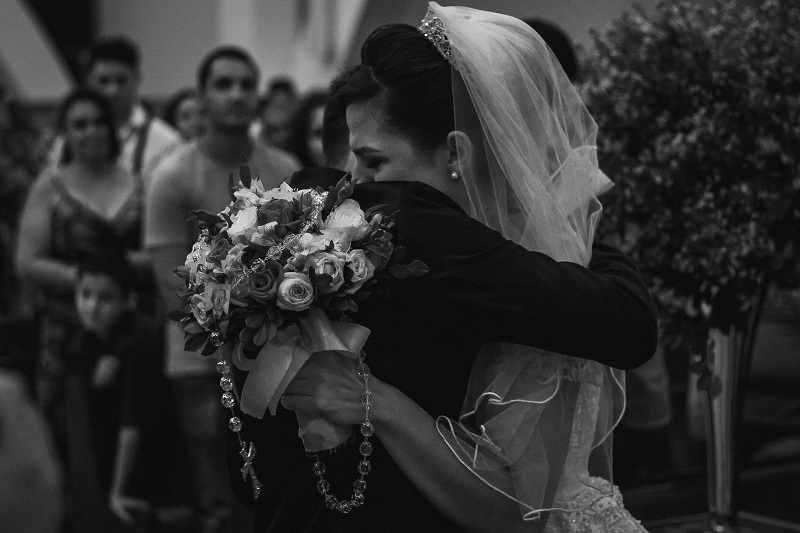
point(359, 172)
point(90, 306)
point(111, 88)
point(238, 92)
point(93, 127)
point(91, 301)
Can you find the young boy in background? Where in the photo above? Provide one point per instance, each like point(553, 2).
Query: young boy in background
point(114, 390)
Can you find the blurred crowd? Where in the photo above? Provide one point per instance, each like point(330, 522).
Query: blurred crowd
point(130, 436)
point(92, 222)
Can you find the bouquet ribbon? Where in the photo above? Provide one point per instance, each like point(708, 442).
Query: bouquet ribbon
point(281, 358)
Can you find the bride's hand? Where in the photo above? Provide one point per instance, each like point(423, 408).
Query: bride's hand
point(327, 386)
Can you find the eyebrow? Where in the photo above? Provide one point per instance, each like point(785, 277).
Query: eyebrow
point(232, 78)
point(365, 150)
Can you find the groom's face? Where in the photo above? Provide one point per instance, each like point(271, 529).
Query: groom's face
point(384, 154)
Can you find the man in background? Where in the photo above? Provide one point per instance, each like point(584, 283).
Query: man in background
point(113, 71)
point(195, 176)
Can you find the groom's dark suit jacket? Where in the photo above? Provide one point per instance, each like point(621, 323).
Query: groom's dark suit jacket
point(480, 288)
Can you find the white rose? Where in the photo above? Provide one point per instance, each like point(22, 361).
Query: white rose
point(362, 268)
point(244, 220)
point(347, 215)
point(348, 223)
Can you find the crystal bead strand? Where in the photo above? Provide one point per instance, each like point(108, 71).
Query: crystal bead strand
point(365, 449)
point(235, 423)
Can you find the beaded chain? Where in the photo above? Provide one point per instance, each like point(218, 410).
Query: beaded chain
point(365, 449)
point(248, 454)
point(274, 252)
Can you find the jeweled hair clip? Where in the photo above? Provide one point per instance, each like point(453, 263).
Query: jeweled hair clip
point(433, 29)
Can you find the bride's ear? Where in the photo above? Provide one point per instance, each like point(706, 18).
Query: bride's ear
point(459, 147)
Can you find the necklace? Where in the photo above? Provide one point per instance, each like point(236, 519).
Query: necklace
point(364, 448)
point(248, 453)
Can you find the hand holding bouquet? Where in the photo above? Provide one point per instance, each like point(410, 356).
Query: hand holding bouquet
point(277, 276)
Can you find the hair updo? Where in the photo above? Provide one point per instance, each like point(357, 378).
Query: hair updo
point(412, 80)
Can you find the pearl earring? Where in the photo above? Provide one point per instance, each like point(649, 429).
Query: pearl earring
point(454, 176)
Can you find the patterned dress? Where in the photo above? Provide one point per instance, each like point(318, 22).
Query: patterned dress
point(77, 231)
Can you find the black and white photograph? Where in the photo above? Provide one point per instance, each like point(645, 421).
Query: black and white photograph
point(356, 266)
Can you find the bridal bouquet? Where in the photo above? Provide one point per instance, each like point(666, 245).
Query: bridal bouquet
point(276, 276)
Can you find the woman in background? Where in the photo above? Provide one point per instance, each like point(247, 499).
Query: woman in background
point(90, 203)
point(184, 113)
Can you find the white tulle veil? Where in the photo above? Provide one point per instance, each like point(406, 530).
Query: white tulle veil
point(531, 418)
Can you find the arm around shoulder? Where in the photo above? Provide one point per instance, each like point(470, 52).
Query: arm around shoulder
point(632, 304)
point(602, 312)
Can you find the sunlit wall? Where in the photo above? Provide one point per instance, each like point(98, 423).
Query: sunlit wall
point(291, 37)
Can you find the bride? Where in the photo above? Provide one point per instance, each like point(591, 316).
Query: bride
point(472, 112)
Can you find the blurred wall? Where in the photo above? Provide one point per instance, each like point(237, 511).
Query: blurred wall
point(575, 17)
point(173, 36)
point(285, 36)
point(29, 64)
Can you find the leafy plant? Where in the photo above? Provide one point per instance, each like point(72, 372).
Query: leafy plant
point(698, 108)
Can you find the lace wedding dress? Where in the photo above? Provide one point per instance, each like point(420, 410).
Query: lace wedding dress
point(595, 512)
point(597, 506)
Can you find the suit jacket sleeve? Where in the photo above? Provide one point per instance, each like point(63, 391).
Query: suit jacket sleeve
point(510, 294)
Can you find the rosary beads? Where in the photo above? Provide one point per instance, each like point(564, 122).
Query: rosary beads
point(365, 449)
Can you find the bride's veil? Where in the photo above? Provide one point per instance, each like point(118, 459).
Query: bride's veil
point(531, 418)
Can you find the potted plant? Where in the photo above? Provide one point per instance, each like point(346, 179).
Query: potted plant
point(698, 108)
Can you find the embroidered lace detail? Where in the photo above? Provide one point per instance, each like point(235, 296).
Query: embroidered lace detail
point(597, 510)
point(574, 369)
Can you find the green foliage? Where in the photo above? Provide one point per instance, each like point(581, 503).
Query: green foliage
point(698, 109)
